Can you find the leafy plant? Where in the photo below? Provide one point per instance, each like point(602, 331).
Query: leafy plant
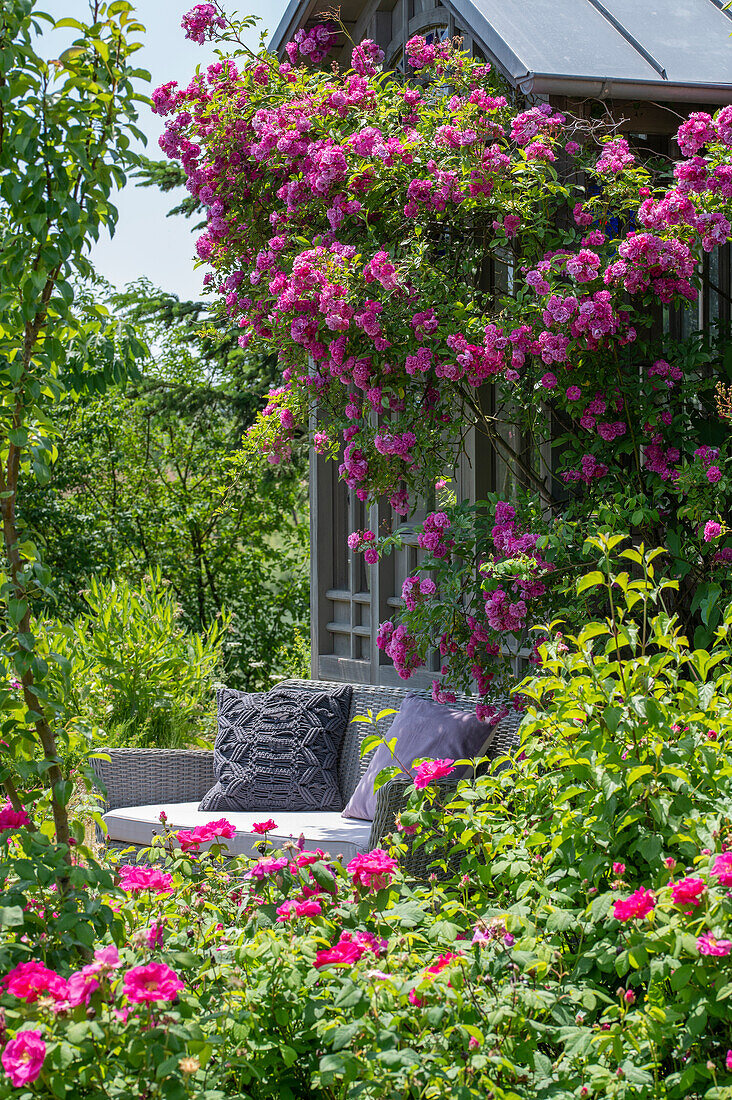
point(64, 147)
point(427, 256)
point(582, 947)
point(147, 463)
point(137, 676)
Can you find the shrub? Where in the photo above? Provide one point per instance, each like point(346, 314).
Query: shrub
point(134, 675)
point(582, 947)
point(375, 204)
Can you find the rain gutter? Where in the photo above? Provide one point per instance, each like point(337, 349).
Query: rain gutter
point(612, 88)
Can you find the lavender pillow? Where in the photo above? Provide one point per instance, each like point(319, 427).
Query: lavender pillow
point(422, 728)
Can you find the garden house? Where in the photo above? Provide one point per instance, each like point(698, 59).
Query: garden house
point(642, 67)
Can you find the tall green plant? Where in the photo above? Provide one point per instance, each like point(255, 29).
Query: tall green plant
point(147, 464)
point(135, 674)
point(65, 129)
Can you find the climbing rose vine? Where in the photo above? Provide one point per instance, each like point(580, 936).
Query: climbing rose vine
point(354, 220)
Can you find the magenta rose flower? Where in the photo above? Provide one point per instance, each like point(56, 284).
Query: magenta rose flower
point(687, 891)
point(23, 1057)
point(202, 834)
point(264, 867)
point(30, 980)
point(105, 958)
point(374, 870)
point(430, 770)
point(134, 880)
point(152, 982)
point(639, 904)
point(722, 868)
point(221, 827)
point(81, 986)
point(12, 819)
point(349, 949)
point(442, 962)
point(344, 953)
point(264, 826)
point(707, 944)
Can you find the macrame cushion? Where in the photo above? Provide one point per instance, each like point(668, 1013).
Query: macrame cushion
point(278, 751)
point(423, 729)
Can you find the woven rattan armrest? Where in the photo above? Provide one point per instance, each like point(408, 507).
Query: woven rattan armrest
point(142, 777)
point(391, 799)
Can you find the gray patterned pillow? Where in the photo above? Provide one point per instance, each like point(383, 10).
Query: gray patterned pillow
point(279, 751)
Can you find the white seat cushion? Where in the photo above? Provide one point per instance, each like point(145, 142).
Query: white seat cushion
point(324, 829)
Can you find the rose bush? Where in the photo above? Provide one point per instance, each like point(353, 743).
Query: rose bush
point(575, 938)
point(352, 218)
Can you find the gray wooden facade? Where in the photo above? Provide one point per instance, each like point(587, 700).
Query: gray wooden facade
point(644, 70)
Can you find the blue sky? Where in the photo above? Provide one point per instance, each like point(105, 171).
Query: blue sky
point(146, 242)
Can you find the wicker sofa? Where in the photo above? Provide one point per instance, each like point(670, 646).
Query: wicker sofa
point(137, 784)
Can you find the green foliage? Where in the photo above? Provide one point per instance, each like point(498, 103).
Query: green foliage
point(522, 972)
point(143, 482)
point(293, 660)
point(65, 137)
point(137, 677)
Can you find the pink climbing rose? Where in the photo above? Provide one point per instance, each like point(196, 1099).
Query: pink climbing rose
point(202, 834)
point(344, 953)
point(12, 819)
point(722, 868)
point(30, 980)
point(430, 770)
point(687, 891)
point(707, 944)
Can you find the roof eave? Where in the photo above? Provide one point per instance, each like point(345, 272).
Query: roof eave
point(619, 88)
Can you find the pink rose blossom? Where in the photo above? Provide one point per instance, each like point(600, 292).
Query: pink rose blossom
point(639, 904)
point(712, 530)
point(264, 826)
point(707, 944)
point(374, 870)
point(311, 907)
point(264, 867)
point(430, 770)
point(344, 953)
point(134, 880)
point(30, 980)
point(152, 982)
point(80, 988)
point(23, 1057)
point(687, 891)
point(728, 1061)
point(202, 834)
point(722, 868)
point(618, 868)
point(442, 962)
point(201, 22)
point(12, 819)
point(154, 934)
